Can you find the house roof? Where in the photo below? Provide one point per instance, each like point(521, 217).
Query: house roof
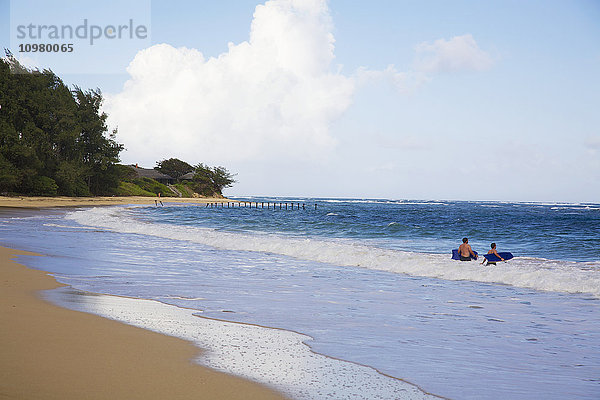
point(188, 176)
point(150, 173)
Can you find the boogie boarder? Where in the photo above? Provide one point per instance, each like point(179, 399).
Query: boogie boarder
point(494, 252)
point(465, 251)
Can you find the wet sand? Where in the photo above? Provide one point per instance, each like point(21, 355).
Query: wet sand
point(48, 352)
point(42, 202)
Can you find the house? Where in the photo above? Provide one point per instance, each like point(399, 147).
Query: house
point(153, 174)
point(187, 177)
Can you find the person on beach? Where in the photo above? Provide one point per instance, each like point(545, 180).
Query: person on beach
point(465, 251)
point(492, 251)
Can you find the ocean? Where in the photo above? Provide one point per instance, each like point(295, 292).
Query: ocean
point(344, 298)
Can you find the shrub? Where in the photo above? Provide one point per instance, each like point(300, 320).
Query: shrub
point(69, 181)
point(43, 186)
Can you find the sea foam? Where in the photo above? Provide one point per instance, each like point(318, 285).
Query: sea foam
point(275, 357)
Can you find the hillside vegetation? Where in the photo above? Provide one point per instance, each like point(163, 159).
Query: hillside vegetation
point(54, 141)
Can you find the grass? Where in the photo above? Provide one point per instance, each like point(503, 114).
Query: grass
point(184, 189)
point(131, 189)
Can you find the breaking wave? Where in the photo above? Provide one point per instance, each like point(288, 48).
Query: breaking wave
point(524, 272)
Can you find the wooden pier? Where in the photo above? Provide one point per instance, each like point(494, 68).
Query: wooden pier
point(259, 204)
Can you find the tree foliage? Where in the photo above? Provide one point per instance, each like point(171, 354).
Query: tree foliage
point(173, 167)
point(211, 180)
point(53, 140)
point(207, 181)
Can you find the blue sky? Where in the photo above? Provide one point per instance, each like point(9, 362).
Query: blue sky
point(470, 100)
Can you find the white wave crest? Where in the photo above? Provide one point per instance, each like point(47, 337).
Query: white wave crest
point(399, 202)
point(533, 273)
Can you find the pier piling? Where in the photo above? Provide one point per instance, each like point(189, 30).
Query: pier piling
point(255, 204)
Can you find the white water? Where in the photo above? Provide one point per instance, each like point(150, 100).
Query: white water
point(532, 273)
point(274, 357)
point(464, 340)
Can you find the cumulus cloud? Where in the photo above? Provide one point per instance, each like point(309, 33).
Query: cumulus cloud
point(273, 95)
point(458, 54)
point(461, 53)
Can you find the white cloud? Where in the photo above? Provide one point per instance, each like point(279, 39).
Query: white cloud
point(593, 142)
point(273, 95)
point(401, 80)
point(461, 53)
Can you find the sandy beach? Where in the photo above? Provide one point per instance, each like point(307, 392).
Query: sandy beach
point(49, 352)
point(42, 202)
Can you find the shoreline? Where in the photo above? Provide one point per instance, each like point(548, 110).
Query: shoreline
point(52, 352)
point(47, 202)
point(200, 266)
point(254, 341)
point(208, 345)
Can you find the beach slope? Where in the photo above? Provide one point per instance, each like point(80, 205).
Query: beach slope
point(44, 202)
point(48, 352)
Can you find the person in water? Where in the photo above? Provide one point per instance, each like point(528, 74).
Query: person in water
point(494, 252)
point(465, 251)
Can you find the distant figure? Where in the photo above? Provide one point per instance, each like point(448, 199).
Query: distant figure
point(494, 252)
point(465, 251)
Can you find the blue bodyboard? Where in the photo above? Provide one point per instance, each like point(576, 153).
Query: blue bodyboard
point(494, 258)
point(455, 255)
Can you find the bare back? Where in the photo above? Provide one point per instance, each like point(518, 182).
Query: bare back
point(465, 250)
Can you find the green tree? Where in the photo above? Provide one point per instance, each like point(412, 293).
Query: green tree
point(10, 176)
point(173, 167)
point(51, 136)
point(211, 180)
point(70, 181)
point(41, 186)
point(99, 153)
point(221, 179)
